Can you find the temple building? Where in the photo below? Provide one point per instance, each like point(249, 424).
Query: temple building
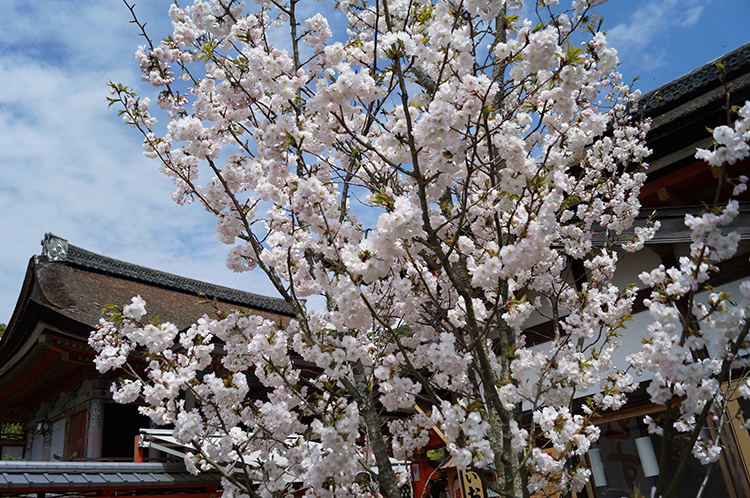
point(55, 407)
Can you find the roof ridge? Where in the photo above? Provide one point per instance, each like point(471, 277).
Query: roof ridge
point(56, 248)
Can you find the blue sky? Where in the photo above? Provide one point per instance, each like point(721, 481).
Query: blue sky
point(69, 166)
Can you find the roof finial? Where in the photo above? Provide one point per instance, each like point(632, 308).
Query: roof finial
point(54, 247)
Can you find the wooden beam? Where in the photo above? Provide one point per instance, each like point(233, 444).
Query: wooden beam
point(639, 411)
point(687, 174)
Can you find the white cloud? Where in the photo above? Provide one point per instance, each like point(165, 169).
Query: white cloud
point(70, 166)
point(651, 21)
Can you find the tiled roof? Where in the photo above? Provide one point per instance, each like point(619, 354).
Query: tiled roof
point(23, 475)
point(56, 249)
point(696, 81)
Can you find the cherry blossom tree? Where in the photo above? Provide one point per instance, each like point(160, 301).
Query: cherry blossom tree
point(434, 171)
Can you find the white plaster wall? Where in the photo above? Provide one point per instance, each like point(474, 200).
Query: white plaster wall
point(13, 451)
point(544, 312)
point(58, 438)
point(630, 342)
point(638, 329)
point(733, 289)
point(36, 446)
point(630, 265)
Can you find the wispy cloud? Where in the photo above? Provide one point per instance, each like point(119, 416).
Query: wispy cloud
point(650, 22)
point(692, 16)
point(653, 61)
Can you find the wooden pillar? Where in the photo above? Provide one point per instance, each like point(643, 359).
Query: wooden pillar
point(95, 429)
point(730, 461)
point(29, 444)
point(137, 450)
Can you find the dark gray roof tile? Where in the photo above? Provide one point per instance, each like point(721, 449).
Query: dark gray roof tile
point(35, 478)
point(111, 477)
point(17, 480)
point(163, 477)
point(93, 478)
point(145, 477)
point(75, 478)
point(56, 478)
point(62, 475)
